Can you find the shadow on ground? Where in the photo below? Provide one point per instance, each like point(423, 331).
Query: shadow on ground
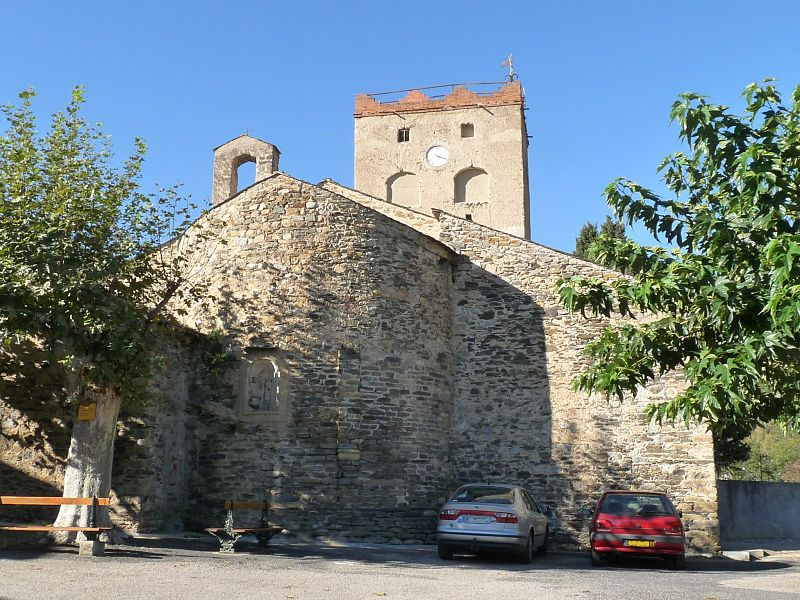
point(425, 557)
point(385, 555)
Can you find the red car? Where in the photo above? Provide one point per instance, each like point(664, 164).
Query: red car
point(637, 523)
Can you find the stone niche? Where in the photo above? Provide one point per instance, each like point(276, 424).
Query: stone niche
point(263, 387)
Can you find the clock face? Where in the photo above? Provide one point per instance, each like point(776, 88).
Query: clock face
point(437, 156)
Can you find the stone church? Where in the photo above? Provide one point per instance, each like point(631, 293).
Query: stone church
point(382, 345)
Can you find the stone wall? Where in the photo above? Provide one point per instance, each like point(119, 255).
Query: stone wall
point(408, 365)
point(498, 146)
point(358, 306)
point(516, 416)
point(148, 489)
point(35, 426)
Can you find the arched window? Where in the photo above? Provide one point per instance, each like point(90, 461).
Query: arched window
point(263, 392)
point(245, 175)
point(472, 185)
point(403, 188)
point(244, 172)
point(263, 386)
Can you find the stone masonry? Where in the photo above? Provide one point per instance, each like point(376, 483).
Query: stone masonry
point(354, 362)
point(516, 417)
point(495, 149)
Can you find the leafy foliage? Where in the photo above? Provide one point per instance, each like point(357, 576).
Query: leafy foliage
point(730, 448)
point(589, 233)
point(82, 263)
point(586, 236)
point(773, 455)
point(725, 302)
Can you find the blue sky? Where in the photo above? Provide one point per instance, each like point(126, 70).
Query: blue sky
point(600, 77)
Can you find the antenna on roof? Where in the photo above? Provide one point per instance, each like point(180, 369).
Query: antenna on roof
point(509, 62)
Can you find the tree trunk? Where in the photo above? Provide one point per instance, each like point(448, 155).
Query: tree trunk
point(91, 454)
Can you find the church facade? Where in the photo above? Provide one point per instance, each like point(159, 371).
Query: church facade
point(387, 343)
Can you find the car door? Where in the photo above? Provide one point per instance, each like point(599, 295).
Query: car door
point(539, 520)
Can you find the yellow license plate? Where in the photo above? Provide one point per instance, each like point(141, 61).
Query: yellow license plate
point(639, 543)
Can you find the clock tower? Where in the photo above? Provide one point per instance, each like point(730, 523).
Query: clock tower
point(459, 148)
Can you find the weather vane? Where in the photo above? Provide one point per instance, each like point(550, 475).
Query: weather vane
point(509, 62)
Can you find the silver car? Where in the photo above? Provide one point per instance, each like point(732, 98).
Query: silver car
point(482, 516)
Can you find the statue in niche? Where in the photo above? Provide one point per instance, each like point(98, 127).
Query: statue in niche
point(263, 381)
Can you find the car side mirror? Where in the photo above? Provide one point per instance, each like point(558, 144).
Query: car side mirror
point(680, 514)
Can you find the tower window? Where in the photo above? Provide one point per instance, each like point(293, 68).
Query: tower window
point(243, 172)
point(467, 130)
point(403, 188)
point(471, 185)
point(403, 134)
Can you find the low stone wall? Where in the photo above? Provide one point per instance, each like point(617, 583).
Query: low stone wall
point(759, 510)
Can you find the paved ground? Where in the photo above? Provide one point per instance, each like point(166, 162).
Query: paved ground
point(151, 569)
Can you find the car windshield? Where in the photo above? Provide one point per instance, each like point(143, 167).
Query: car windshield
point(487, 494)
point(636, 504)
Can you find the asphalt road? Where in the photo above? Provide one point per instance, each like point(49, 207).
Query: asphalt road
point(151, 569)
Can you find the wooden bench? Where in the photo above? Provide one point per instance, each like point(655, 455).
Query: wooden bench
point(229, 535)
point(91, 531)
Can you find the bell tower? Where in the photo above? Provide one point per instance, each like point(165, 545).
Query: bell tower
point(461, 150)
point(233, 154)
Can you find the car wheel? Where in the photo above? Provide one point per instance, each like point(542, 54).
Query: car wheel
point(527, 554)
point(597, 559)
point(542, 550)
point(445, 552)
point(677, 563)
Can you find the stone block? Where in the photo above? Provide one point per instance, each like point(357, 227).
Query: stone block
point(91, 548)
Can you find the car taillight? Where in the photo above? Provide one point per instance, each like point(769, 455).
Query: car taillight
point(448, 515)
point(673, 527)
point(602, 525)
point(505, 517)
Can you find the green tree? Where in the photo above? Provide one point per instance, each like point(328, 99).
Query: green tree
point(587, 235)
point(590, 232)
point(730, 448)
point(774, 455)
point(84, 270)
point(724, 302)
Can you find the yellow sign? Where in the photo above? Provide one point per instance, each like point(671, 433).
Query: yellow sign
point(87, 412)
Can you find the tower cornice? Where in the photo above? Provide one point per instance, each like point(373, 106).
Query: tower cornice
point(416, 100)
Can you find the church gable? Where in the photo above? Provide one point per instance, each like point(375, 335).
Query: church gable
point(340, 317)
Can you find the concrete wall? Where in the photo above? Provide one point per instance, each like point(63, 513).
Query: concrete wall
point(759, 510)
point(499, 147)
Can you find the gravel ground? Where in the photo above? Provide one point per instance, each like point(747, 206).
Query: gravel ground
point(150, 569)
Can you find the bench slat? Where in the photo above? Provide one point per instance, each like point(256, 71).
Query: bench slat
point(51, 501)
point(51, 528)
point(274, 529)
point(244, 505)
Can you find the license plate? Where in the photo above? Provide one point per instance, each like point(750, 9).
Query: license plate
point(477, 520)
point(639, 543)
